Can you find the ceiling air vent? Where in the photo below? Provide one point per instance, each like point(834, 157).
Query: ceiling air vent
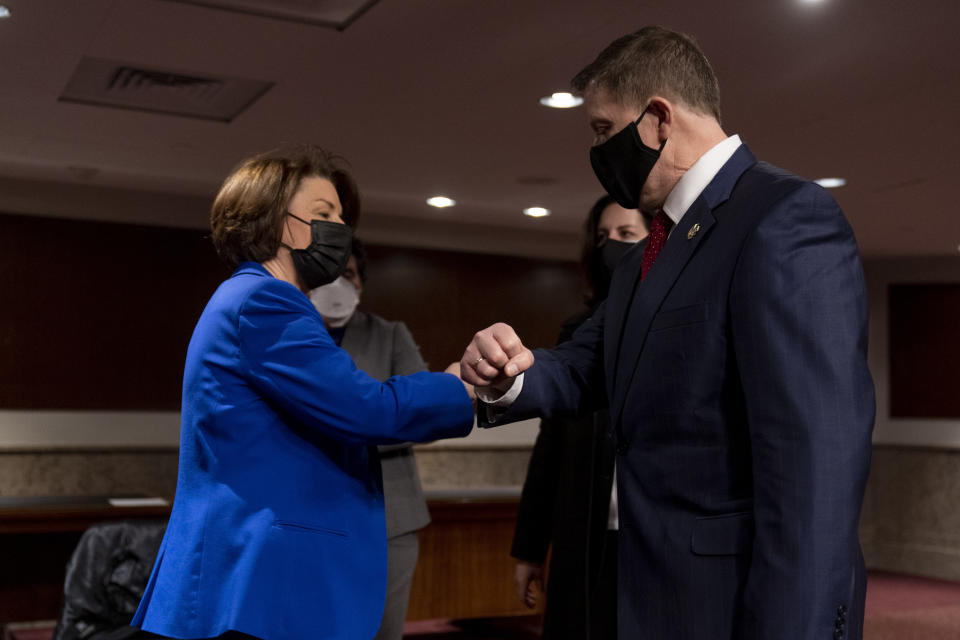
point(338, 14)
point(109, 83)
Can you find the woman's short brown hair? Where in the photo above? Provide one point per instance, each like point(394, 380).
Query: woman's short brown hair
point(247, 216)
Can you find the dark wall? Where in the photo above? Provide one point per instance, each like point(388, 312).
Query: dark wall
point(98, 315)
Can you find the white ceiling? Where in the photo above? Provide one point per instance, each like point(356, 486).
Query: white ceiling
point(441, 96)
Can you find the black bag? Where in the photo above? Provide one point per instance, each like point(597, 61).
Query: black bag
point(105, 580)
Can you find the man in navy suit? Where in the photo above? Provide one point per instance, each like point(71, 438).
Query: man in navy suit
point(742, 463)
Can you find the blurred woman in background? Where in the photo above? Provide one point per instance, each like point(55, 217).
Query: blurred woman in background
point(568, 500)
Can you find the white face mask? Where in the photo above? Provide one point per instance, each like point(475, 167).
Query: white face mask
point(336, 301)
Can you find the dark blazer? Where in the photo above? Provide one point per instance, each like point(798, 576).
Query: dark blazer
point(384, 349)
point(742, 407)
point(277, 528)
point(565, 508)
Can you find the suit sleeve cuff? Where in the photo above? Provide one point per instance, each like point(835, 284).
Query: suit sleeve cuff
point(496, 404)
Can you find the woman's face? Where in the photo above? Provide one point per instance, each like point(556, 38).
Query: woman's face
point(315, 199)
point(617, 223)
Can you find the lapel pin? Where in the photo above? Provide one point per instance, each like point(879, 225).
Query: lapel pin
point(693, 231)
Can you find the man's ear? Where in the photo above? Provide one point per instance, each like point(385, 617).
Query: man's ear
point(663, 110)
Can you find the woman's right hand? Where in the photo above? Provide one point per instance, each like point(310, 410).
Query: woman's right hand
point(525, 576)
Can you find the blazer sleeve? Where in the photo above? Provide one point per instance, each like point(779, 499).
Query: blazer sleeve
point(567, 380)
point(405, 359)
point(292, 361)
point(798, 318)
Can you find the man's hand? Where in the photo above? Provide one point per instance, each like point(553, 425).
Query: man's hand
point(525, 576)
point(495, 357)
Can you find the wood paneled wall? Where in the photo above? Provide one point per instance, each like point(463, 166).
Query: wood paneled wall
point(97, 316)
point(445, 296)
point(465, 569)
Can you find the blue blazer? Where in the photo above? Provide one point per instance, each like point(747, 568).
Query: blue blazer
point(277, 528)
point(736, 378)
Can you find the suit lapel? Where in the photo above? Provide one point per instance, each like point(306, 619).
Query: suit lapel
point(649, 294)
point(631, 319)
point(623, 288)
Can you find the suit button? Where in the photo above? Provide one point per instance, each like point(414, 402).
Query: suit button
point(622, 448)
point(837, 634)
point(841, 610)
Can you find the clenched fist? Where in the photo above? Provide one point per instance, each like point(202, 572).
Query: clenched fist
point(495, 357)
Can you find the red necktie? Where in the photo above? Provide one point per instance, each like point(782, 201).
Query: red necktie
point(659, 229)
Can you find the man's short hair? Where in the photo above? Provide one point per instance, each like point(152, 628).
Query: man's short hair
point(653, 61)
point(246, 220)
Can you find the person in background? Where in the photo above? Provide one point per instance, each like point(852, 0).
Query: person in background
point(277, 529)
point(383, 349)
point(566, 501)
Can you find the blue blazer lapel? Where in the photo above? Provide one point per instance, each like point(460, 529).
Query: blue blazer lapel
point(630, 322)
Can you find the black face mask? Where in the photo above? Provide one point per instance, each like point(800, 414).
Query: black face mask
point(604, 262)
point(326, 256)
point(623, 163)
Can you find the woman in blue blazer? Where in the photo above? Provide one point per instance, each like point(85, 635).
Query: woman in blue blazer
point(277, 529)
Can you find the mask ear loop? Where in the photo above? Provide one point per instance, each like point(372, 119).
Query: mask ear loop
point(293, 215)
point(286, 224)
point(637, 123)
point(308, 223)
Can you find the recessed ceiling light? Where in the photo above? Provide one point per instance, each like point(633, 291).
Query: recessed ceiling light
point(536, 212)
point(441, 202)
point(4, 12)
point(561, 100)
point(811, 1)
point(831, 183)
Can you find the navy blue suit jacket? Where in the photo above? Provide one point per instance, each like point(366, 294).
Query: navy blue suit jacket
point(738, 389)
point(278, 527)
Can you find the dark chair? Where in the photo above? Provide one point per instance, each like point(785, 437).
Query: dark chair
point(105, 580)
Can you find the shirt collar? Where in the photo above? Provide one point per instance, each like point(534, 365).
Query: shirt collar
point(695, 180)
